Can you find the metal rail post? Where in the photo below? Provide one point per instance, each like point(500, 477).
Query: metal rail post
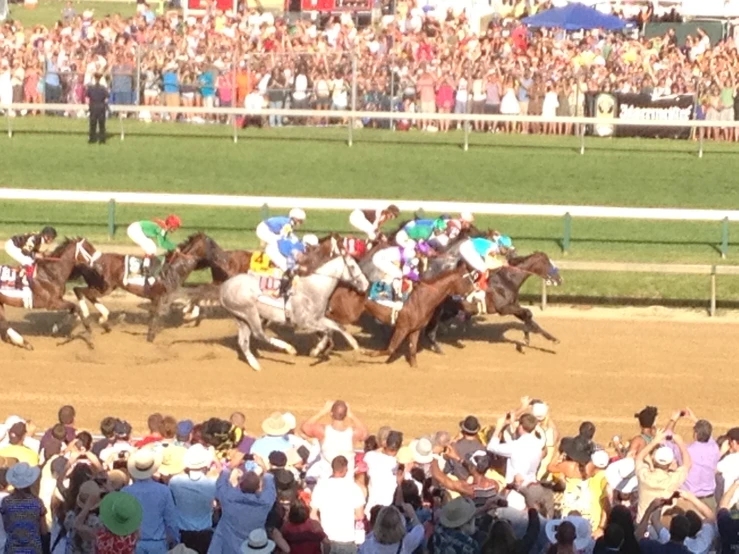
point(543, 295)
point(567, 234)
point(725, 237)
point(712, 311)
point(111, 218)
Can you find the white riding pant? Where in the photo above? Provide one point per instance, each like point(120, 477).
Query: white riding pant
point(273, 251)
point(17, 254)
point(136, 234)
point(265, 235)
point(360, 222)
point(402, 239)
point(439, 241)
point(385, 262)
point(470, 255)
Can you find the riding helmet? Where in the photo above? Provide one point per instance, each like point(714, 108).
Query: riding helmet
point(48, 231)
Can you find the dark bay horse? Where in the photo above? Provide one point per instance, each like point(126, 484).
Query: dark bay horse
point(502, 296)
point(48, 286)
point(110, 269)
point(423, 302)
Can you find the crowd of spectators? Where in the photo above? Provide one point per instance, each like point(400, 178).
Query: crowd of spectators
point(413, 61)
point(329, 485)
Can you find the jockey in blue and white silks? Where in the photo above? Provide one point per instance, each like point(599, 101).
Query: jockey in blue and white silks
point(285, 251)
point(274, 228)
point(483, 254)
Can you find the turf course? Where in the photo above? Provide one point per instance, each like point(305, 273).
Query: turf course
point(52, 153)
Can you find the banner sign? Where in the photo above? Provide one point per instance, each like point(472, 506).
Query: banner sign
point(678, 107)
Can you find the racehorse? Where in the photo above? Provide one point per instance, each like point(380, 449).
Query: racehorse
point(426, 296)
point(307, 305)
point(502, 296)
point(110, 271)
point(48, 286)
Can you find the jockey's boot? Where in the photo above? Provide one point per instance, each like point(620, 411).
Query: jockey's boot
point(146, 267)
point(286, 283)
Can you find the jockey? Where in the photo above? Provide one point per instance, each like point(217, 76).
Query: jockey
point(397, 263)
point(429, 230)
point(25, 248)
point(484, 255)
point(274, 228)
point(285, 253)
point(370, 221)
point(145, 233)
point(459, 224)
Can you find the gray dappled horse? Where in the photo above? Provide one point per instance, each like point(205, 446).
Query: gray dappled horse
point(307, 304)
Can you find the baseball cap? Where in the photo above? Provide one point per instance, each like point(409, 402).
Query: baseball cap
point(664, 456)
point(184, 428)
point(122, 428)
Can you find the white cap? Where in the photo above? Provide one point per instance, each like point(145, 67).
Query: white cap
point(540, 410)
point(297, 213)
point(600, 459)
point(310, 240)
point(664, 456)
point(620, 475)
point(467, 216)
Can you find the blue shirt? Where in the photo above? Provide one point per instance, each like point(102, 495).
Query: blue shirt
point(264, 446)
point(207, 83)
point(277, 224)
point(484, 246)
point(241, 513)
point(171, 82)
point(290, 247)
point(52, 76)
point(160, 516)
point(523, 90)
point(421, 222)
point(193, 500)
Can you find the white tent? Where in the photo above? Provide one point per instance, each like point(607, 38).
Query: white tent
point(710, 8)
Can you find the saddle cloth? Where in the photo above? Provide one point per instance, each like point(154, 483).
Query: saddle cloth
point(261, 264)
point(355, 247)
point(9, 285)
point(133, 270)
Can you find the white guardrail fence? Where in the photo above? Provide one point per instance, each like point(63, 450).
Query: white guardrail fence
point(353, 115)
point(112, 198)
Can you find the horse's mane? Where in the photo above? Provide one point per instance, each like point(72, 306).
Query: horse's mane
point(192, 238)
point(59, 250)
point(516, 260)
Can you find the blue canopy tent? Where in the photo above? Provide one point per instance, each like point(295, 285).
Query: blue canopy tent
point(574, 17)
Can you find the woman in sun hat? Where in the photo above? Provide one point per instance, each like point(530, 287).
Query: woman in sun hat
point(572, 532)
point(572, 465)
point(83, 523)
point(23, 512)
point(121, 515)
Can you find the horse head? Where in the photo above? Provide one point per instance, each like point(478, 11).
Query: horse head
point(346, 269)
point(540, 265)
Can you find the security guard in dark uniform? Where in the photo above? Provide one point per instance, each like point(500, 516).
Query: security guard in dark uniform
point(98, 102)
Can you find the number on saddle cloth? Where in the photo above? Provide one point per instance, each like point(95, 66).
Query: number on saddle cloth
point(260, 263)
point(355, 247)
point(135, 265)
point(12, 278)
point(381, 291)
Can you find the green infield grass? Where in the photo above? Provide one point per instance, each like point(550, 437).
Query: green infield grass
point(48, 152)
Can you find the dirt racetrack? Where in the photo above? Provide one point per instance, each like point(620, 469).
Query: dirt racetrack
point(610, 363)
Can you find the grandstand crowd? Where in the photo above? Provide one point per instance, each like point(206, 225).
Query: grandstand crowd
point(413, 61)
point(329, 485)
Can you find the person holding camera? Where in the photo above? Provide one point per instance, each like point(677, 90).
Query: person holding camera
point(660, 479)
point(524, 453)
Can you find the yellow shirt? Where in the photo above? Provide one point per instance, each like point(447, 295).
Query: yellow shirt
point(20, 453)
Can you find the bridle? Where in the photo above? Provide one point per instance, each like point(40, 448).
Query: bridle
point(79, 251)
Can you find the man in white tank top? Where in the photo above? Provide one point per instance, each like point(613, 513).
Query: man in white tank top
point(336, 438)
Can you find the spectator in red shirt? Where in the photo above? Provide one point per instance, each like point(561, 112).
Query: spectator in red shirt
point(155, 423)
point(304, 535)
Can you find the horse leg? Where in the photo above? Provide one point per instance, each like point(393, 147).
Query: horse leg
point(413, 347)
point(85, 294)
point(523, 315)
point(244, 336)
point(8, 334)
point(321, 347)
point(534, 327)
point(432, 328)
point(155, 313)
point(397, 338)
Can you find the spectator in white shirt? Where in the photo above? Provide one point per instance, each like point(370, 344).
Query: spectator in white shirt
point(338, 503)
point(524, 453)
point(728, 467)
point(382, 468)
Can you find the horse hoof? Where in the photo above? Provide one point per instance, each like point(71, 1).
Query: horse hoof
point(106, 327)
point(27, 346)
point(519, 348)
point(556, 341)
point(55, 329)
point(436, 349)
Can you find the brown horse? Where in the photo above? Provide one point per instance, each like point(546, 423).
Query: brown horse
point(426, 297)
point(110, 270)
point(48, 286)
point(502, 296)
